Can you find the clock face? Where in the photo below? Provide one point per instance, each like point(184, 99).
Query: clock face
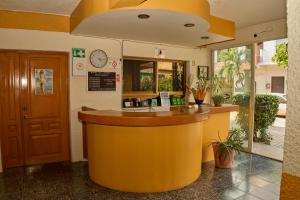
point(98, 58)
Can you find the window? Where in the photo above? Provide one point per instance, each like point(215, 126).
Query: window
point(170, 76)
point(151, 76)
point(138, 76)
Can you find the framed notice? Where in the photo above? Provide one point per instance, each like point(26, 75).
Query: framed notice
point(203, 72)
point(101, 81)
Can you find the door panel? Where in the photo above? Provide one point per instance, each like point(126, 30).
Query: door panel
point(45, 97)
point(11, 135)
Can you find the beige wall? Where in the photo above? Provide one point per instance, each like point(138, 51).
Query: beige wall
point(291, 160)
point(50, 41)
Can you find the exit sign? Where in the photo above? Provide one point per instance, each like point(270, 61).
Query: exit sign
point(78, 53)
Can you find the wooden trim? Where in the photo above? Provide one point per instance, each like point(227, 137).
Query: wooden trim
point(150, 119)
point(34, 51)
point(68, 102)
point(152, 59)
point(223, 108)
point(290, 187)
point(130, 119)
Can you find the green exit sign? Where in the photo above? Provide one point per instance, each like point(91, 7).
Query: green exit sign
point(78, 53)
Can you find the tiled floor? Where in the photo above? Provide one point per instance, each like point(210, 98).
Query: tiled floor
point(252, 177)
point(275, 150)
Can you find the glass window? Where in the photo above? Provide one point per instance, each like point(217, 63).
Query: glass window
point(138, 76)
point(150, 76)
point(170, 76)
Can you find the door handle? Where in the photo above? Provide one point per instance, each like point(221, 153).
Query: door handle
point(27, 117)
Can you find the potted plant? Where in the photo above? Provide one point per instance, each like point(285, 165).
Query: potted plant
point(224, 151)
point(217, 97)
point(218, 100)
point(199, 92)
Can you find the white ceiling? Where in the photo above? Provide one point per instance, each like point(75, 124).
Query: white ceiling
point(249, 12)
point(58, 7)
point(162, 27)
point(243, 12)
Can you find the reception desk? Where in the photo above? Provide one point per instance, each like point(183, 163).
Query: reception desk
point(151, 152)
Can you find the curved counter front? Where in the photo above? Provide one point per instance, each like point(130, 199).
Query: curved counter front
point(145, 152)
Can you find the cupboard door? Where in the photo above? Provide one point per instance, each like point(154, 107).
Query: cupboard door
point(45, 102)
point(10, 132)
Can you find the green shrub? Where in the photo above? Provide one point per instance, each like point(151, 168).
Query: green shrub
point(266, 108)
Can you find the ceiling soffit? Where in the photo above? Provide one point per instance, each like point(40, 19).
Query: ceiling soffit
point(91, 17)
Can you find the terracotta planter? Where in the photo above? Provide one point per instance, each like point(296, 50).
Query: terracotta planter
point(223, 157)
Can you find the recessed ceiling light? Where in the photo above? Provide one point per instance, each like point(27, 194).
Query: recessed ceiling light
point(144, 16)
point(205, 37)
point(188, 25)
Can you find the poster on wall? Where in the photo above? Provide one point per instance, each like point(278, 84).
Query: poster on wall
point(43, 81)
point(101, 81)
point(79, 62)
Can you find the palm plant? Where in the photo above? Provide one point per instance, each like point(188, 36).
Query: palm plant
point(233, 58)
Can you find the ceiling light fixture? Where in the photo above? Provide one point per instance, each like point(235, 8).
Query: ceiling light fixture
point(188, 25)
point(143, 16)
point(205, 37)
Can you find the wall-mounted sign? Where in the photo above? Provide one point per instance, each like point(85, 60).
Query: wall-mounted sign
point(101, 81)
point(114, 63)
point(43, 81)
point(79, 62)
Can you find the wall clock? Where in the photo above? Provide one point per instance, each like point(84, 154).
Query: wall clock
point(98, 58)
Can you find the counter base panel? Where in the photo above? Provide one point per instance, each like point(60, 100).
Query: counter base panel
point(217, 123)
point(145, 159)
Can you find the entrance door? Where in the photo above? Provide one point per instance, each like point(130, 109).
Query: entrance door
point(234, 70)
point(277, 84)
point(10, 116)
point(41, 88)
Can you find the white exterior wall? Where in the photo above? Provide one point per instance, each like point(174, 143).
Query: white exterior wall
point(264, 74)
point(291, 159)
point(53, 41)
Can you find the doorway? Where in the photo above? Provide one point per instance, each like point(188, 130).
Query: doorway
point(34, 107)
point(254, 78)
point(271, 78)
point(234, 68)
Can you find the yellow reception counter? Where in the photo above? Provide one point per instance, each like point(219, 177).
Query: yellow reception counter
point(152, 152)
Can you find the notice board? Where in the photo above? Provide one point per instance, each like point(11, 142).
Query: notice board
point(101, 81)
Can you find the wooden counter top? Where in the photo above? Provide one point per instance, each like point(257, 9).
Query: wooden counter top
point(222, 109)
point(148, 119)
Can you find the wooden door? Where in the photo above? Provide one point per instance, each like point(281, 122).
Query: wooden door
point(44, 103)
point(34, 108)
point(277, 84)
point(10, 120)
